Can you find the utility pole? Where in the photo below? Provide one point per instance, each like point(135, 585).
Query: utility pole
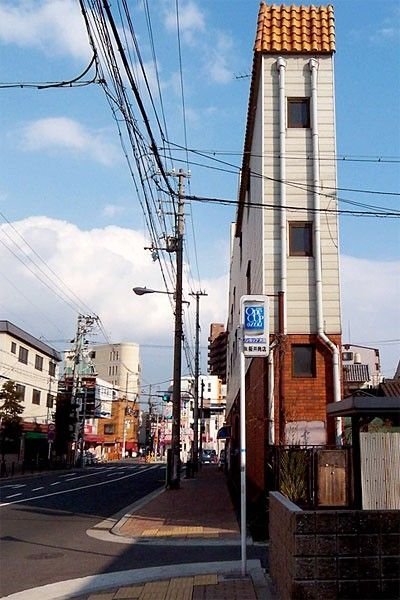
point(201, 419)
point(174, 480)
point(195, 456)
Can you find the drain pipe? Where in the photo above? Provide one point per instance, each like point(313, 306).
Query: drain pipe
point(317, 241)
point(270, 392)
point(281, 66)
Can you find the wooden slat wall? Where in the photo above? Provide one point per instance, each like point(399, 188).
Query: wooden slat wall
point(380, 470)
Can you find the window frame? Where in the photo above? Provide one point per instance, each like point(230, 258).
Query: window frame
point(298, 124)
point(304, 374)
point(308, 250)
point(20, 389)
point(52, 368)
point(23, 355)
point(36, 397)
point(38, 362)
point(13, 348)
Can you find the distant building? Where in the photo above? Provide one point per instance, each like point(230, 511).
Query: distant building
point(361, 367)
point(217, 346)
point(33, 366)
point(119, 364)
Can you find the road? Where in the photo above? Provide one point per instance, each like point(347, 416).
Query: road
point(44, 521)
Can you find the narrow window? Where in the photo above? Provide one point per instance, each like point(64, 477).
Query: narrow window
point(20, 389)
point(300, 239)
point(23, 355)
point(303, 360)
point(13, 347)
point(50, 401)
point(298, 112)
point(39, 362)
point(35, 396)
point(347, 356)
point(52, 369)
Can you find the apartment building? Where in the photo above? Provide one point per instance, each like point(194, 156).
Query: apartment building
point(119, 364)
point(33, 366)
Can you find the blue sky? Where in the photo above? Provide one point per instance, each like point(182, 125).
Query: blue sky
point(66, 189)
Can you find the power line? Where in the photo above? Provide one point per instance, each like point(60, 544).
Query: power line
point(261, 205)
point(74, 82)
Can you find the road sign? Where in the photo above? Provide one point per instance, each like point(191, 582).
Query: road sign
point(254, 318)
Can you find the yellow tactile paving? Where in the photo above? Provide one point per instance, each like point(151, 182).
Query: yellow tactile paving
point(180, 589)
point(150, 532)
point(154, 590)
point(129, 593)
point(205, 580)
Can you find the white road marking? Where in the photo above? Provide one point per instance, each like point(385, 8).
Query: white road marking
point(56, 483)
point(82, 487)
point(36, 489)
point(14, 495)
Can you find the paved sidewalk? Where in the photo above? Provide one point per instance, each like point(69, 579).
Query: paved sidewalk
point(200, 509)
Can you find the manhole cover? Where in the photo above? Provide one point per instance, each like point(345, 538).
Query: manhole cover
point(45, 555)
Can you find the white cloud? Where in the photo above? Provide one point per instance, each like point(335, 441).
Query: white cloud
point(371, 301)
point(65, 133)
point(112, 210)
point(100, 266)
point(191, 21)
point(52, 26)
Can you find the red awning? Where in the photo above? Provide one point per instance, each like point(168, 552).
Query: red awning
point(94, 439)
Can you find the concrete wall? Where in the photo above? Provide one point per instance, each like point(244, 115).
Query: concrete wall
point(346, 554)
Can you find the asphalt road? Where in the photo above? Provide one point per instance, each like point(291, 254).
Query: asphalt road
point(44, 520)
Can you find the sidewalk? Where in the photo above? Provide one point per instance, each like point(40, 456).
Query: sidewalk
point(199, 513)
point(201, 509)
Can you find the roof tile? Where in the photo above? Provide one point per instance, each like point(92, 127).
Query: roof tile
point(287, 29)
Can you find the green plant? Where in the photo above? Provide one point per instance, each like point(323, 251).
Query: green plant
point(293, 474)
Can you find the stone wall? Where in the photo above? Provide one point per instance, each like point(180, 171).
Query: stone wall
point(333, 554)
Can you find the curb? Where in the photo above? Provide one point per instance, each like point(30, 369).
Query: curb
point(66, 590)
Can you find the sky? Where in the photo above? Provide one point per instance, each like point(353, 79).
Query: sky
point(72, 229)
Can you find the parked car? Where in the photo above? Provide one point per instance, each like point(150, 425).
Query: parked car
point(208, 456)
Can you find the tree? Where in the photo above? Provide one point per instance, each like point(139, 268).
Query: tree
point(11, 408)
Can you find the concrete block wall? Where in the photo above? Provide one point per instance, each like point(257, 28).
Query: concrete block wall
point(333, 554)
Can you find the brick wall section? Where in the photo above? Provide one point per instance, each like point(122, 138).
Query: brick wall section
point(334, 555)
point(306, 398)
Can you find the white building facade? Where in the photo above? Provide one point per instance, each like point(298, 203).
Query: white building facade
point(284, 243)
point(33, 366)
point(119, 364)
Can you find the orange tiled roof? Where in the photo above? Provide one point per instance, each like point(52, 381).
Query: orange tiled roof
point(288, 29)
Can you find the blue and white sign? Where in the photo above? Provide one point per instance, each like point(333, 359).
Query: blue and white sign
point(254, 317)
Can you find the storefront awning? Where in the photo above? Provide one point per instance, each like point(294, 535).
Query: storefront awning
point(224, 433)
point(94, 439)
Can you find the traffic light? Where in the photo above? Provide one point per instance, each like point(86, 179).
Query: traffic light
point(166, 397)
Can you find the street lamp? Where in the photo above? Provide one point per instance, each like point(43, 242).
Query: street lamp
point(173, 468)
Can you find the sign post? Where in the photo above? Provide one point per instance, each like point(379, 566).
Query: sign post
point(254, 319)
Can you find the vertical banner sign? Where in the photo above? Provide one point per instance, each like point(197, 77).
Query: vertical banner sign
point(255, 322)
